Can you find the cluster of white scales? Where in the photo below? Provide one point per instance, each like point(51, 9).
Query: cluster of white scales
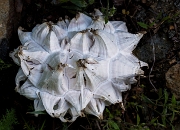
point(78, 66)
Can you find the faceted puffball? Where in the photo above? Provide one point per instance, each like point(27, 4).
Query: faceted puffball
point(78, 66)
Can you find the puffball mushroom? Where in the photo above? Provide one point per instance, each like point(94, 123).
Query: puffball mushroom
point(78, 66)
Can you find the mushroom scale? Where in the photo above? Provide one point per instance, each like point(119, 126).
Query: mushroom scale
point(78, 66)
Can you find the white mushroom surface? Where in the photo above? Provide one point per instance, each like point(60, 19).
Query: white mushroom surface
point(78, 66)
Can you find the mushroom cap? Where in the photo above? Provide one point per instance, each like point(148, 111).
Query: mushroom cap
point(76, 67)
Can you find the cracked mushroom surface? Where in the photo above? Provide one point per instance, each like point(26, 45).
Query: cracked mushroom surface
point(78, 66)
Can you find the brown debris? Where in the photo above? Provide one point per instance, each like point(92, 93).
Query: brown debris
point(18, 6)
point(173, 80)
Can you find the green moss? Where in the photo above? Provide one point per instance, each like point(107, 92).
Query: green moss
point(3, 65)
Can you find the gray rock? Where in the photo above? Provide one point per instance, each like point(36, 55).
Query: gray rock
point(8, 25)
point(6, 18)
point(161, 46)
